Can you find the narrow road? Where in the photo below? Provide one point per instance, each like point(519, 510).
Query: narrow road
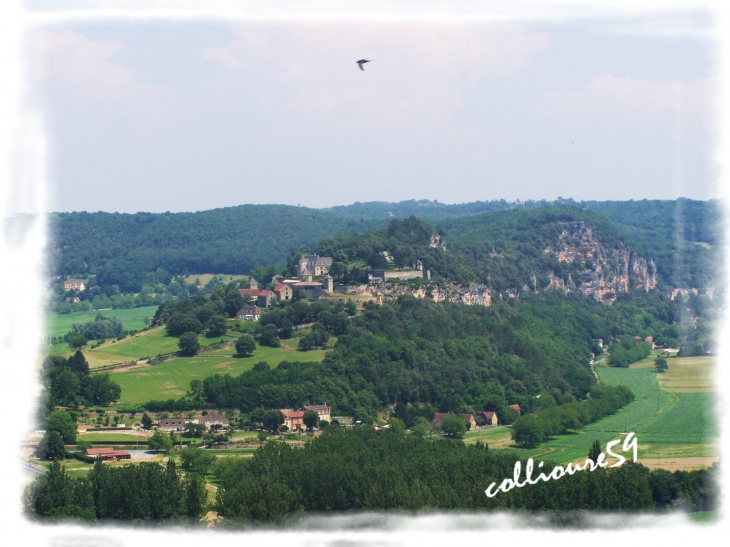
point(33, 469)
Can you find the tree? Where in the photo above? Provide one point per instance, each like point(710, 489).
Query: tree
point(272, 419)
point(76, 340)
point(83, 444)
point(62, 423)
point(311, 418)
point(194, 430)
point(286, 330)
point(421, 428)
point(527, 430)
point(197, 459)
point(100, 389)
point(188, 343)
point(159, 441)
point(196, 390)
point(195, 495)
point(269, 336)
point(51, 447)
point(146, 421)
point(595, 450)
point(453, 425)
point(232, 303)
point(245, 345)
point(217, 326)
point(661, 364)
point(262, 436)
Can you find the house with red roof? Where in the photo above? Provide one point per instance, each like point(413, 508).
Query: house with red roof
point(489, 417)
point(293, 419)
point(283, 292)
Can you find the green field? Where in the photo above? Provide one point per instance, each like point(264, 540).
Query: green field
point(667, 425)
point(171, 379)
point(145, 344)
point(58, 324)
point(128, 438)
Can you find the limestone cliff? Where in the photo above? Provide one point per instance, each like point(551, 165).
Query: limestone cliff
point(603, 272)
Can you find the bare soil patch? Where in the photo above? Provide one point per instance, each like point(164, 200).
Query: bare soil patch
point(678, 464)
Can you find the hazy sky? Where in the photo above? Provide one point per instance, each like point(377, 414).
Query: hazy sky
point(191, 116)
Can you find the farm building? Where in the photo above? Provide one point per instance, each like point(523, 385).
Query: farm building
point(108, 454)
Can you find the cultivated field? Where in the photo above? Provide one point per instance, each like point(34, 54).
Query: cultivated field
point(58, 324)
point(686, 374)
point(171, 379)
point(674, 430)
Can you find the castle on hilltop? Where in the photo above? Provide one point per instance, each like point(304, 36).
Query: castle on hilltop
point(312, 266)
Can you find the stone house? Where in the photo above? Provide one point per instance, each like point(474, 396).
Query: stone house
point(310, 289)
point(283, 292)
point(293, 419)
point(310, 266)
point(248, 313)
point(322, 410)
point(489, 417)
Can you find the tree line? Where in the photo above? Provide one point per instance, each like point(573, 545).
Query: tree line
point(142, 493)
point(386, 470)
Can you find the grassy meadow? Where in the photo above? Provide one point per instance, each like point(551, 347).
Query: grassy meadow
point(144, 344)
point(171, 379)
point(58, 324)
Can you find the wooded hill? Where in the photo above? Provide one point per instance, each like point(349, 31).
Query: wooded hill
point(125, 250)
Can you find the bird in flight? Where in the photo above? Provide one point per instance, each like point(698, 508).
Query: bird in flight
point(362, 62)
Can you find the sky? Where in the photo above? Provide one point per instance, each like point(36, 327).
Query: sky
point(162, 116)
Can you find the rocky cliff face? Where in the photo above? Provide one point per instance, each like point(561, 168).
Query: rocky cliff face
point(606, 272)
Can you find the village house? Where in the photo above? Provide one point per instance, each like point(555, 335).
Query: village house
point(489, 417)
point(262, 297)
point(322, 410)
point(293, 419)
point(310, 266)
point(74, 300)
point(248, 313)
point(283, 292)
point(515, 407)
point(213, 419)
